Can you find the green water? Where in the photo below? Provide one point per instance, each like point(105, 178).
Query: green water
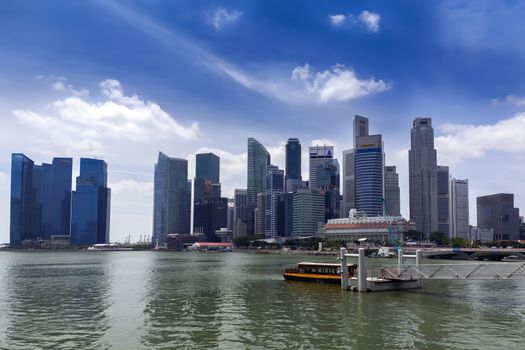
point(154, 300)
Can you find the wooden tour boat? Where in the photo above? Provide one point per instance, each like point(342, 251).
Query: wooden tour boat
point(318, 272)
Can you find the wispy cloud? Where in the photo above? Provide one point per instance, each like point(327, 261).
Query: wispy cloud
point(515, 100)
point(220, 17)
point(337, 20)
point(370, 20)
point(338, 83)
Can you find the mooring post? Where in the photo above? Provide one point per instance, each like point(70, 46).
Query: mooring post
point(419, 261)
point(361, 271)
point(344, 269)
point(399, 258)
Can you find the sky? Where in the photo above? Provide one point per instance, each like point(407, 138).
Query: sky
point(124, 80)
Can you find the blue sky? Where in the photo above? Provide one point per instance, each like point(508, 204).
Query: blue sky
point(123, 80)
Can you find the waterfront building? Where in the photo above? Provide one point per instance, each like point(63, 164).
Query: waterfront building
point(274, 189)
point(358, 225)
point(258, 159)
point(240, 217)
point(293, 164)
point(443, 199)
point(422, 166)
point(484, 235)
point(308, 212)
point(392, 192)
point(459, 209)
point(286, 214)
point(40, 199)
point(497, 212)
point(369, 175)
point(318, 155)
point(207, 176)
point(171, 198)
point(210, 215)
point(91, 203)
point(260, 215)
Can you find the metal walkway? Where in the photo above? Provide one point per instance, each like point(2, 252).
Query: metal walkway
point(475, 271)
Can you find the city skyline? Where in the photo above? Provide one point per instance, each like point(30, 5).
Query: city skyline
point(195, 96)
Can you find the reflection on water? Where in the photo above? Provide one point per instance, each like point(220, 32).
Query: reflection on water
point(163, 300)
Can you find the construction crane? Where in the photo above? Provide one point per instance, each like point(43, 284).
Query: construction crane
point(391, 234)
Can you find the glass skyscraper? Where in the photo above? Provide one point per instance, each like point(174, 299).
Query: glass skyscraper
point(91, 202)
point(258, 160)
point(274, 189)
point(318, 155)
point(171, 198)
point(369, 174)
point(293, 163)
point(392, 193)
point(442, 188)
point(40, 199)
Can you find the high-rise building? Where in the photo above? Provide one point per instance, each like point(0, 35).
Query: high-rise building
point(293, 163)
point(392, 193)
point(258, 160)
point(207, 176)
point(91, 202)
point(274, 190)
point(348, 182)
point(328, 182)
point(231, 214)
point(318, 155)
point(360, 128)
point(369, 175)
point(422, 164)
point(260, 215)
point(308, 212)
point(40, 198)
point(459, 213)
point(171, 198)
point(497, 212)
point(240, 199)
point(442, 183)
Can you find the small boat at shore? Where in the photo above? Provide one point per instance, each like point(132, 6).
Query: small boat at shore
point(318, 272)
point(108, 248)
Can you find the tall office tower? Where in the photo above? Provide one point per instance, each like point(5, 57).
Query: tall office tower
point(328, 181)
point(497, 212)
point(308, 212)
point(207, 178)
point(392, 196)
point(274, 189)
point(231, 214)
point(40, 198)
point(360, 127)
point(171, 198)
point(442, 185)
point(286, 214)
point(348, 183)
point(369, 175)
point(318, 155)
point(258, 160)
point(260, 215)
point(91, 203)
point(422, 169)
point(293, 164)
point(240, 199)
point(459, 213)
point(210, 210)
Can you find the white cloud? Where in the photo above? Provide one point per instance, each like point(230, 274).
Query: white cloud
point(337, 20)
point(338, 83)
point(460, 142)
point(516, 100)
point(77, 125)
point(220, 17)
point(370, 20)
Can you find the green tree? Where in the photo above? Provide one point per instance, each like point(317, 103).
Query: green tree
point(439, 238)
point(413, 235)
point(458, 242)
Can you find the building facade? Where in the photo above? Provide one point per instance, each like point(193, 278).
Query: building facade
point(318, 156)
point(258, 160)
point(348, 182)
point(210, 215)
point(443, 199)
point(171, 198)
point(292, 163)
point(459, 209)
point(274, 190)
point(240, 204)
point(497, 212)
point(91, 203)
point(392, 192)
point(369, 172)
point(422, 164)
point(308, 212)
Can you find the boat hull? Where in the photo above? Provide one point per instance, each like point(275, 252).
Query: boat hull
point(310, 277)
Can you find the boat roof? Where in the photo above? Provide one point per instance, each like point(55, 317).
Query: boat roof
point(321, 264)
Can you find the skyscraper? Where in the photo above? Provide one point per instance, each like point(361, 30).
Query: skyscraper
point(318, 155)
point(91, 202)
point(293, 163)
point(328, 180)
point(459, 212)
point(497, 212)
point(207, 176)
point(348, 182)
point(422, 164)
point(40, 199)
point(308, 212)
point(240, 201)
point(360, 128)
point(171, 198)
point(392, 193)
point(442, 183)
point(258, 160)
point(260, 215)
point(274, 189)
point(369, 173)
